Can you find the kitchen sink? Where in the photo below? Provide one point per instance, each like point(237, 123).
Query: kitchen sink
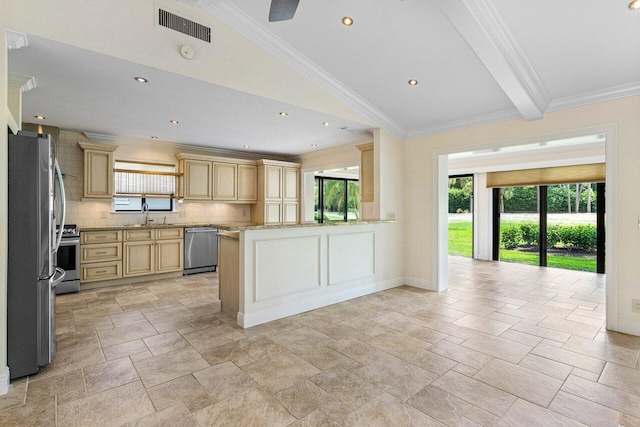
point(147, 225)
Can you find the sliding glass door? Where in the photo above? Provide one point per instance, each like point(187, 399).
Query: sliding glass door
point(336, 199)
point(558, 225)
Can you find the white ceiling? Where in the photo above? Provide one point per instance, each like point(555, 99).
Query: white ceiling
point(77, 89)
point(477, 61)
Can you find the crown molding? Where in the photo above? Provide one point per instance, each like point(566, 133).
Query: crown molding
point(182, 147)
point(191, 3)
point(608, 94)
point(255, 32)
point(468, 122)
point(482, 27)
point(16, 39)
point(573, 101)
point(25, 83)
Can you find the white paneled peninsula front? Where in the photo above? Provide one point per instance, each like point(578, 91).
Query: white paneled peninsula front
point(271, 272)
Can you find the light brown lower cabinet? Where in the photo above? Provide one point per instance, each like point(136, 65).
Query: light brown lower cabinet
point(101, 271)
point(142, 252)
point(162, 255)
point(100, 255)
point(169, 255)
point(139, 258)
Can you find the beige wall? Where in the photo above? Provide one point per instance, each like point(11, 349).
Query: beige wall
point(97, 212)
point(623, 113)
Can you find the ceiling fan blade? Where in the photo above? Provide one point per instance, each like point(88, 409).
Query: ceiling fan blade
point(282, 10)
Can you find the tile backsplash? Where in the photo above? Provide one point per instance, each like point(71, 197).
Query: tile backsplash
point(89, 213)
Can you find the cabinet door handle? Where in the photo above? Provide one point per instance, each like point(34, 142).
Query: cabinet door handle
point(101, 237)
point(101, 271)
point(101, 253)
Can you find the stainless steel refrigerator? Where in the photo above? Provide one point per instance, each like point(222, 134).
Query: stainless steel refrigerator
point(31, 272)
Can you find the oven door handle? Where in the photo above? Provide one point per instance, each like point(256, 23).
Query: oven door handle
point(70, 242)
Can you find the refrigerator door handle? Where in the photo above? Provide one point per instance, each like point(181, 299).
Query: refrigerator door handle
point(57, 279)
point(63, 204)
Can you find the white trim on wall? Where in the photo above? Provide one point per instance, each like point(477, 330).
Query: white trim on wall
point(301, 306)
point(4, 380)
point(440, 208)
point(611, 226)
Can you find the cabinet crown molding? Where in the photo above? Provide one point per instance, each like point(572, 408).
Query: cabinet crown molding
point(278, 163)
point(365, 147)
point(216, 159)
point(97, 147)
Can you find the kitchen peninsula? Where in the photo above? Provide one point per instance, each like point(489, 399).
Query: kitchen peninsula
point(271, 272)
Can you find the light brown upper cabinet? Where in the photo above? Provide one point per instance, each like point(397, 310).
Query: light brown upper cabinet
point(278, 194)
point(290, 180)
point(225, 181)
point(247, 183)
point(196, 180)
point(366, 172)
point(217, 179)
point(98, 170)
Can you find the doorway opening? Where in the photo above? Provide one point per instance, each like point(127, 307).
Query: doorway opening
point(461, 215)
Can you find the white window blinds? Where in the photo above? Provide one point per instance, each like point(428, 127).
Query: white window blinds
point(144, 179)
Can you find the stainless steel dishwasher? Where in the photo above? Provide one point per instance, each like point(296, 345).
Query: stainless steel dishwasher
point(200, 249)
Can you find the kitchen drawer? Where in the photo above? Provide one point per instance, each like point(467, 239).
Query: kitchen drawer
point(169, 233)
point(100, 252)
point(89, 237)
point(139, 234)
point(101, 271)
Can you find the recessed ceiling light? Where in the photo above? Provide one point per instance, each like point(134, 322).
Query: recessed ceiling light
point(154, 137)
point(325, 124)
point(174, 122)
point(314, 145)
point(40, 117)
point(413, 82)
point(347, 21)
point(634, 5)
point(140, 79)
point(246, 146)
point(283, 113)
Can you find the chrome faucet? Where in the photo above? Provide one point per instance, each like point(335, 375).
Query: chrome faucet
point(145, 212)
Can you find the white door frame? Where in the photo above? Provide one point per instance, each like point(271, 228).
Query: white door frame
point(440, 206)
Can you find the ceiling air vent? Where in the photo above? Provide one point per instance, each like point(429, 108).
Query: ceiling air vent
point(186, 26)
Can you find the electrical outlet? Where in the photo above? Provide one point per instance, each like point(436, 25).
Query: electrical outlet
point(635, 305)
point(182, 214)
point(391, 216)
point(103, 214)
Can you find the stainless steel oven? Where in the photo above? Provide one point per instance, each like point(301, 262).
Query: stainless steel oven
point(68, 259)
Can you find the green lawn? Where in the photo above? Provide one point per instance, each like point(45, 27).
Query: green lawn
point(461, 242)
point(460, 238)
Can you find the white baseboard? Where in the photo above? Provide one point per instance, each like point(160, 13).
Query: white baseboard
point(629, 327)
point(4, 380)
point(419, 283)
point(246, 321)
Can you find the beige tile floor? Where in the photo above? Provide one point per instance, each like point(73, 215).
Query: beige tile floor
point(506, 345)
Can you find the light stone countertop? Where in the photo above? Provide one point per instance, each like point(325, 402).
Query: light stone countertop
point(231, 226)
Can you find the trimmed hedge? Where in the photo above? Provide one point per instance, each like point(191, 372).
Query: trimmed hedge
point(459, 202)
point(581, 236)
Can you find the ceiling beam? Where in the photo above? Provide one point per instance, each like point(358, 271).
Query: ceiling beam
point(486, 33)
